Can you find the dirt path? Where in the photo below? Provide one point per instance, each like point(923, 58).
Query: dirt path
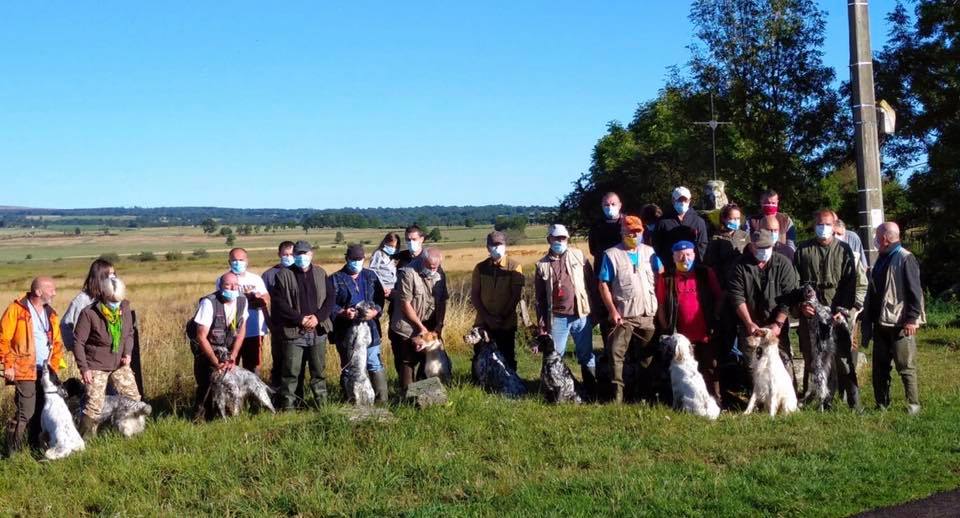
point(946, 504)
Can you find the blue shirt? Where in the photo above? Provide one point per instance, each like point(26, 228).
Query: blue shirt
point(348, 292)
point(41, 340)
point(606, 267)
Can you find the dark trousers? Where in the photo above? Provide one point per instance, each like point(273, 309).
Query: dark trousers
point(706, 356)
point(308, 350)
point(202, 402)
point(25, 423)
point(506, 341)
point(405, 359)
point(890, 345)
point(249, 355)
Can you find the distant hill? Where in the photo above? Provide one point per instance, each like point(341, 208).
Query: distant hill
point(430, 215)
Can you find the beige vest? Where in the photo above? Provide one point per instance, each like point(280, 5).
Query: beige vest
point(891, 310)
point(633, 289)
point(574, 264)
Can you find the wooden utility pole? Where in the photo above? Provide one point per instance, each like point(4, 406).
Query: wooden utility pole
point(869, 193)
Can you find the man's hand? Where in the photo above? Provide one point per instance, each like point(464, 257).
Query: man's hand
point(615, 318)
point(387, 292)
point(839, 317)
point(227, 365)
point(87, 377)
point(775, 329)
point(309, 322)
point(910, 329)
point(422, 330)
point(10, 374)
point(752, 329)
point(807, 310)
point(125, 360)
point(372, 314)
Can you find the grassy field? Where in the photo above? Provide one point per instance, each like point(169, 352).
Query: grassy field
point(479, 455)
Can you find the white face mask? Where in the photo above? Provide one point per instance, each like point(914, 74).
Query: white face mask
point(824, 231)
point(413, 246)
point(498, 251)
point(763, 254)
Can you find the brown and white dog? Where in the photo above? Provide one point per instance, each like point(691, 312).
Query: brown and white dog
point(436, 363)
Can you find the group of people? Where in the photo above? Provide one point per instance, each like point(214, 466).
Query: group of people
point(715, 278)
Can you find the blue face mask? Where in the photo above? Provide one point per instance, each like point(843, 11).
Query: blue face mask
point(776, 236)
point(113, 305)
point(389, 250)
point(229, 295)
point(824, 231)
point(733, 225)
point(558, 247)
point(413, 247)
point(238, 267)
point(611, 212)
point(355, 266)
point(302, 261)
point(681, 207)
point(286, 260)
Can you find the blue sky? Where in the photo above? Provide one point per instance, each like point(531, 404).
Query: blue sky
point(283, 104)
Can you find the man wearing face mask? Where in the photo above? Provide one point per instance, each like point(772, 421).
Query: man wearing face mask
point(627, 290)
point(302, 302)
point(688, 301)
point(352, 285)
point(770, 206)
point(605, 232)
point(29, 337)
point(413, 246)
point(564, 286)
point(895, 311)
point(285, 254)
point(495, 290)
point(772, 225)
point(103, 350)
point(682, 223)
point(216, 336)
point(759, 284)
point(254, 289)
point(828, 263)
point(421, 298)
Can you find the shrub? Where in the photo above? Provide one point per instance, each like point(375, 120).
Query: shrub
point(200, 253)
point(145, 257)
point(174, 255)
point(110, 257)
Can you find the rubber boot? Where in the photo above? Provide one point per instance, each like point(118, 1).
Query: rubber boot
point(379, 380)
point(589, 375)
point(15, 437)
point(406, 378)
point(88, 427)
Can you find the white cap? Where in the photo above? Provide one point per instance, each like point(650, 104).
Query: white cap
point(681, 192)
point(557, 230)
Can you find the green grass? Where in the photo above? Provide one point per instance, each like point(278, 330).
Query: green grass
point(483, 455)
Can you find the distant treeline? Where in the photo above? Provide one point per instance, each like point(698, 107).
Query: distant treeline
point(380, 217)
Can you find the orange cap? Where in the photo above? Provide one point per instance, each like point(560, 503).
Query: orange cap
point(633, 224)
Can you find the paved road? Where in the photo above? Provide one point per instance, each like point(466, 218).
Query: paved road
point(944, 505)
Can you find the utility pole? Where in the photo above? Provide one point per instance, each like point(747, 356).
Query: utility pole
point(713, 123)
point(869, 187)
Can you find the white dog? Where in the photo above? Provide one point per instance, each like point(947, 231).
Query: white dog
point(772, 387)
point(56, 420)
point(689, 390)
point(436, 362)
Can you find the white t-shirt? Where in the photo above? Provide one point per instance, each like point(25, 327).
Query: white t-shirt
point(204, 316)
point(252, 283)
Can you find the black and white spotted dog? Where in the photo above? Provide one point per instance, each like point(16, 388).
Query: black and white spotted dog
point(824, 333)
point(556, 380)
point(129, 417)
point(490, 371)
point(231, 389)
point(56, 421)
point(354, 379)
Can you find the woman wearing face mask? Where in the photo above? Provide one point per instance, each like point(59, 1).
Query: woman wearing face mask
point(103, 350)
point(689, 299)
point(383, 264)
point(352, 285)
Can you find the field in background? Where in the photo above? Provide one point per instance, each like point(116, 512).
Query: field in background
point(481, 454)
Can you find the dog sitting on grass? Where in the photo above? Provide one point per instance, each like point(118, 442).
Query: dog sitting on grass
point(689, 389)
point(129, 417)
point(56, 421)
point(436, 363)
point(772, 388)
point(556, 380)
point(489, 369)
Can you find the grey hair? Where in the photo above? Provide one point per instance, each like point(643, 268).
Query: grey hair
point(112, 289)
point(432, 251)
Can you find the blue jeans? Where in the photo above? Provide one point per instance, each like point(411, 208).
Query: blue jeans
point(581, 329)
